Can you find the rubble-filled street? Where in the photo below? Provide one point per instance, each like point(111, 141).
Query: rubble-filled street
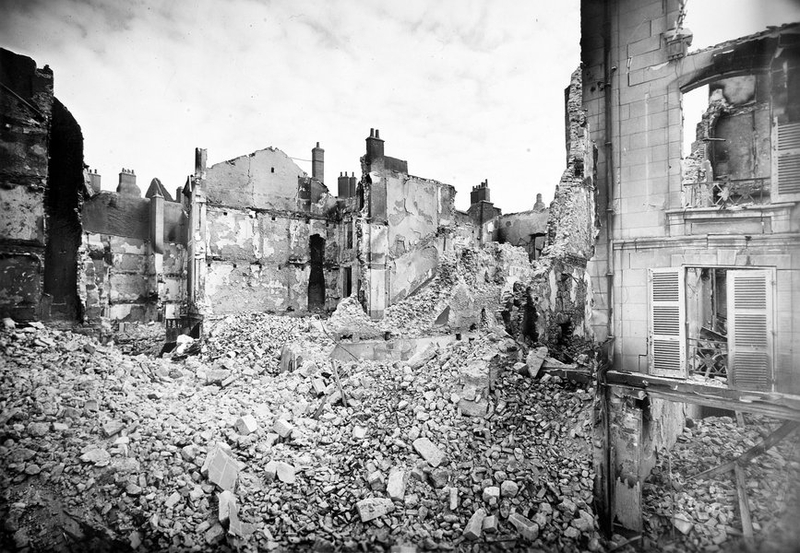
point(455, 449)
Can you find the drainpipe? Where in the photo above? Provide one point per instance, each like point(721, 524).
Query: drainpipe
point(608, 522)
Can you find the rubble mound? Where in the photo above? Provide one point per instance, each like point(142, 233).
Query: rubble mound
point(256, 339)
point(350, 321)
point(685, 513)
point(153, 454)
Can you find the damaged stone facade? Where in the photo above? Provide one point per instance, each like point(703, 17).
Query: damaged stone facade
point(696, 262)
point(41, 163)
point(134, 253)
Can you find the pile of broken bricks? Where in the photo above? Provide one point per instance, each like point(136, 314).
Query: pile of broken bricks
point(163, 454)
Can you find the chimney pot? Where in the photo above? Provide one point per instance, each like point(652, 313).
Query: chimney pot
point(377, 133)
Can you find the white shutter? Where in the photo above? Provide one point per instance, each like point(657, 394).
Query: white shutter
point(750, 329)
point(667, 322)
point(785, 162)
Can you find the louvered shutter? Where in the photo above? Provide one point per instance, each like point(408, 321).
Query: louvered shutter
point(750, 329)
point(786, 162)
point(667, 335)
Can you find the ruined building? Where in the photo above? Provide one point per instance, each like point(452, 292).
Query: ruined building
point(250, 234)
point(698, 260)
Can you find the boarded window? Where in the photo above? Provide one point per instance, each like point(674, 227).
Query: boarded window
point(750, 329)
point(786, 161)
point(667, 336)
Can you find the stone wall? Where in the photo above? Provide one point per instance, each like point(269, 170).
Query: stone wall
point(262, 215)
point(123, 275)
point(24, 135)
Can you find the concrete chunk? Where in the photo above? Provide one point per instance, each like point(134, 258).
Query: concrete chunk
point(428, 451)
point(374, 507)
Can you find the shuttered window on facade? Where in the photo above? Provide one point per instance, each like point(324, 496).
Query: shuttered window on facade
point(667, 322)
point(786, 162)
point(750, 316)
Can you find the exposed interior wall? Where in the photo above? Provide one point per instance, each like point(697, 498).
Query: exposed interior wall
point(527, 229)
point(26, 114)
point(405, 225)
point(124, 277)
point(262, 215)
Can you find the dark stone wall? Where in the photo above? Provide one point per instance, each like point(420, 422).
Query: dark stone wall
point(63, 199)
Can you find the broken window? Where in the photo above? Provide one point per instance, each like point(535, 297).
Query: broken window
point(727, 158)
point(713, 323)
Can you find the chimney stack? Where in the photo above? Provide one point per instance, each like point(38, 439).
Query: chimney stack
point(539, 205)
point(127, 183)
point(374, 145)
point(318, 163)
point(480, 193)
point(343, 185)
point(351, 184)
point(94, 181)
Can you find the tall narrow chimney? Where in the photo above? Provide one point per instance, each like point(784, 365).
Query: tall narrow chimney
point(374, 145)
point(318, 163)
point(94, 181)
point(343, 189)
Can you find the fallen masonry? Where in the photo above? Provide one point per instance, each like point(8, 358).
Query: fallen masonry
point(149, 453)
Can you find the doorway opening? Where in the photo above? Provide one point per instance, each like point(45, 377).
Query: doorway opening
point(316, 280)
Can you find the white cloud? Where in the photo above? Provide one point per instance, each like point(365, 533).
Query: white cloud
point(464, 90)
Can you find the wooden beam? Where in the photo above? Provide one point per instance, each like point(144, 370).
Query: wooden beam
point(773, 404)
point(744, 508)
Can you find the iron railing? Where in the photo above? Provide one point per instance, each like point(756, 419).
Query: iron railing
point(708, 357)
point(726, 193)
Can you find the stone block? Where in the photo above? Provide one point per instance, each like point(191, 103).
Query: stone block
point(509, 488)
point(223, 470)
point(283, 428)
point(490, 524)
point(428, 451)
point(396, 486)
point(491, 495)
point(374, 507)
point(474, 527)
point(246, 425)
point(286, 472)
point(172, 500)
point(112, 427)
point(227, 503)
point(526, 527)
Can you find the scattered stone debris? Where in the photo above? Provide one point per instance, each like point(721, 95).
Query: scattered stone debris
point(141, 449)
point(684, 511)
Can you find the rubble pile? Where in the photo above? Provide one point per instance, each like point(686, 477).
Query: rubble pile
point(465, 293)
point(254, 339)
point(150, 454)
point(684, 513)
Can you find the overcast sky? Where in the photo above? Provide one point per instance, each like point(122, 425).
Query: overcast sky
point(463, 90)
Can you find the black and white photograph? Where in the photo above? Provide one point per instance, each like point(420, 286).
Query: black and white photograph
point(400, 276)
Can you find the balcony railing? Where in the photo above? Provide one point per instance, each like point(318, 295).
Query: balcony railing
point(727, 193)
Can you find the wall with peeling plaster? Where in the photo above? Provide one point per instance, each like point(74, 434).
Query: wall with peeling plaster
point(262, 211)
point(123, 277)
